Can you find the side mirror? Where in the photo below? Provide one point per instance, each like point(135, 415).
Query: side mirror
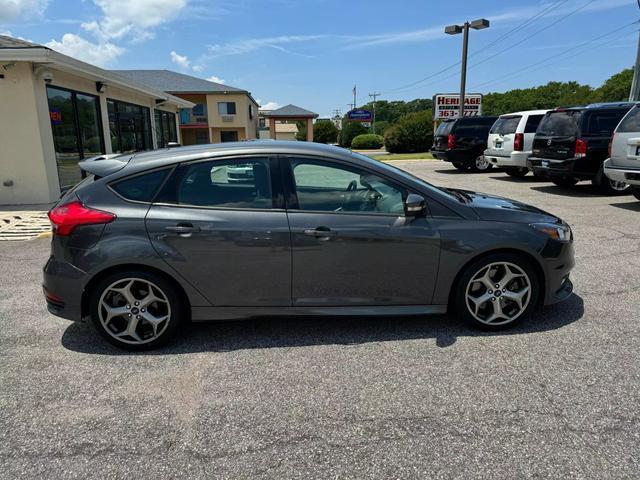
point(414, 205)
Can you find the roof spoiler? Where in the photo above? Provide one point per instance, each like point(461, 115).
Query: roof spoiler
point(104, 165)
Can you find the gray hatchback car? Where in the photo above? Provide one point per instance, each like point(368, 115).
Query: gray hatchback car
point(148, 242)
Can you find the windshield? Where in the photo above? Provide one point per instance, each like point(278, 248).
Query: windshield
point(506, 125)
point(562, 124)
point(445, 128)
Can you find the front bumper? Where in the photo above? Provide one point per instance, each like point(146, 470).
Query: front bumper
point(622, 174)
point(558, 263)
point(515, 159)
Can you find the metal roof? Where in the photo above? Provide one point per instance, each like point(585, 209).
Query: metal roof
point(291, 111)
point(174, 82)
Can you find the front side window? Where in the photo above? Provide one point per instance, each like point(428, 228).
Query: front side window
point(227, 108)
point(232, 183)
point(328, 187)
point(630, 123)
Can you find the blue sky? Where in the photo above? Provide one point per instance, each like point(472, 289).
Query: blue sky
point(312, 52)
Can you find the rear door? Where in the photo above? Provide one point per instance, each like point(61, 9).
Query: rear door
point(625, 148)
point(502, 135)
point(556, 135)
point(352, 245)
point(229, 238)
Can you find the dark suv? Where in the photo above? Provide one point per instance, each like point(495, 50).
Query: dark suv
point(571, 144)
point(462, 141)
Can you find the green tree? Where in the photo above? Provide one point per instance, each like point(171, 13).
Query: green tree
point(617, 88)
point(381, 126)
point(413, 133)
point(324, 131)
point(349, 131)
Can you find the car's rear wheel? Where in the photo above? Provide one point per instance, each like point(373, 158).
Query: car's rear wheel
point(607, 186)
point(497, 291)
point(461, 166)
point(517, 172)
point(136, 310)
point(636, 192)
point(564, 182)
point(480, 164)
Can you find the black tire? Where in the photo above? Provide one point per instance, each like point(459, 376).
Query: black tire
point(174, 322)
point(606, 186)
point(475, 165)
point(460, 299)
point(635, 191)
point(517, 172)
point(564, 182)
point(461, 166)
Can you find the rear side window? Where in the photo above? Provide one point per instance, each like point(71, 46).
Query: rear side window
point(231, 183)
point(603, 123)
point(563, 124)
point(532, 123)
point(141, 188)
point(506, 125)
point(630, 123)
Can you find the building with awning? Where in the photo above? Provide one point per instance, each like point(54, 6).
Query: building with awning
point(289, 114)
point(57, 110)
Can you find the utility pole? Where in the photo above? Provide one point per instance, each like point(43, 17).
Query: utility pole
point(354, 96)
point(634, 95)
point(374, 95)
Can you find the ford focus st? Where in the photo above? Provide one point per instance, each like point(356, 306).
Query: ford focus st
point(149, 242)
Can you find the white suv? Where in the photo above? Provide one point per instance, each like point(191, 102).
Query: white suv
point(624, 164)
point(510, 141)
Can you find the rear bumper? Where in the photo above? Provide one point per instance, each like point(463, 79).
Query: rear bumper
point(622, 174)
point(62, 286)
point(461, 156)
point(553, 168)
point(515, 159)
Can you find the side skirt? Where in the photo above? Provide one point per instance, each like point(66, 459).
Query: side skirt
point(205, 314)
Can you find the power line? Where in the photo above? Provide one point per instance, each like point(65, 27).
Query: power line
point(552, 57)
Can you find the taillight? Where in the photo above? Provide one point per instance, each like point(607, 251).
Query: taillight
point(518, 142)
point(613, 139)
point(451, 141)
point(65, 218)
point(581, 148)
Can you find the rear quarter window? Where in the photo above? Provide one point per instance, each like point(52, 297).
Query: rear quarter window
point(506, 125)
point(630, 123)
point(140, 188)
point(532, 123)
point(602, 123)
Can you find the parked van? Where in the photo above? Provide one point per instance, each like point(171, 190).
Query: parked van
point(623, 166)
point(510, 141)
point(571, 144)
point(462, 141)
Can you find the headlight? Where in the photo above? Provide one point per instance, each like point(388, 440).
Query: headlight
point(561, 233)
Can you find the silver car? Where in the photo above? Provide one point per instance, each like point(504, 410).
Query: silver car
point(623, 166)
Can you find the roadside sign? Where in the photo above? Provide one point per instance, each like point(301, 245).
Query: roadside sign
point(359, 115)
point(447, 105)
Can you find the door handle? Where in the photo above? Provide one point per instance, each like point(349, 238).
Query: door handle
point(183, 228)
point(320, 232)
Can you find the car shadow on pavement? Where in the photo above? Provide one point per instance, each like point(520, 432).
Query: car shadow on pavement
point(523, 180)
point(579, 191)
point(633, 206)
point(281, 332)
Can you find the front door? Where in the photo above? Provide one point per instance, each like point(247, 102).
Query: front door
point(223, 234)
point(352, 244)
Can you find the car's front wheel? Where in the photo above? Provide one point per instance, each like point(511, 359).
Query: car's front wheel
point(135, 310)
point(497, 291)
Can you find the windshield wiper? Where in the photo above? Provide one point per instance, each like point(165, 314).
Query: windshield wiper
point(459, 194)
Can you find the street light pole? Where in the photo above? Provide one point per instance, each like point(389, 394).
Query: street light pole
point(634, 95)
point(464, 29)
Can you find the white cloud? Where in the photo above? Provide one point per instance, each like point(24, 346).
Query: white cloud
point(11, 10)
point(269, 105)
point(198, 68)
point(101, 54)
point(132, 18)
point(215, 79)
point(252, 44)
point(181, 60)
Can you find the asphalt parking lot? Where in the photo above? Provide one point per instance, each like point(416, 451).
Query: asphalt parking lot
point(558, 397)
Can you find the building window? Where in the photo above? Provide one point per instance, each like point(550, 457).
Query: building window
point(227, 108)
point(165, 128)
point(199, 109)
point(77, 131)
point(202, 137)
point(130, 127)
point(250, 112)
point(229, 136)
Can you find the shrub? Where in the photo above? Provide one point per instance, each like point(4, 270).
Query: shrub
point(349, 131)
point(368, 140)
point(381, 127)
point(325, 131)
point(413, 133)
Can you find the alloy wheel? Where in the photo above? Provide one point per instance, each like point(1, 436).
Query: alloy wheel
point(618, 186)
point(498, 293)
point(482, 163)
point(134, 311)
